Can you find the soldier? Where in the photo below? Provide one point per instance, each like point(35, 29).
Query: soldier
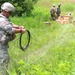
point(53, 12)
point(58, 12)
point(8, 31)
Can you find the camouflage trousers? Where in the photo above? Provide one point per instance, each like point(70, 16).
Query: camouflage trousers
point(54, 16)
point(4, 59)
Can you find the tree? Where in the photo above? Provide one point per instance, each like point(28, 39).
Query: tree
point(21, 6)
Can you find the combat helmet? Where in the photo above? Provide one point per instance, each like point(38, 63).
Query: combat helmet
point(7, 7)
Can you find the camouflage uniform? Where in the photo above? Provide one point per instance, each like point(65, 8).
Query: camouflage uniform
point(6, 35)
point(58, 10)
point(53, 13)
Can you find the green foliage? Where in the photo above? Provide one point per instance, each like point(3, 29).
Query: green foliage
point(52, 47)
point(68, 7)
point(56, 58)
point(22, 7)
point(29, 69)
point(40, 13)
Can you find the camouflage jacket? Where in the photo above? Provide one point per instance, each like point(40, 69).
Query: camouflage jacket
point(6, 30)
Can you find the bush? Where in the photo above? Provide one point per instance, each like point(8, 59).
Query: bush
point(22, 6)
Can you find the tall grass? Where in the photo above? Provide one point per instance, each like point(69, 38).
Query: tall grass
point(68, 7)
point(52, 47)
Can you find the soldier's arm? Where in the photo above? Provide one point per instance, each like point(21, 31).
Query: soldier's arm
point(10, 30)
point(19, 30)
point(14, 30)
point(18, 27)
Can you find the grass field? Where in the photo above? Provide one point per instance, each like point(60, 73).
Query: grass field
point(52, 47)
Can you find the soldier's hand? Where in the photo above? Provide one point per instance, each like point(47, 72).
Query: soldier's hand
point(21, 27)
point(23, 30)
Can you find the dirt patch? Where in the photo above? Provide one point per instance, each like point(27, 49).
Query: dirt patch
point(72, 0)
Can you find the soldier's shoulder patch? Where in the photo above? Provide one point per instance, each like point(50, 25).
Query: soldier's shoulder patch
point(5, 23)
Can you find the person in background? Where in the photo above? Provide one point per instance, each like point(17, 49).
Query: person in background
point(8, 32)
point(58, 11)
point(53, 12)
